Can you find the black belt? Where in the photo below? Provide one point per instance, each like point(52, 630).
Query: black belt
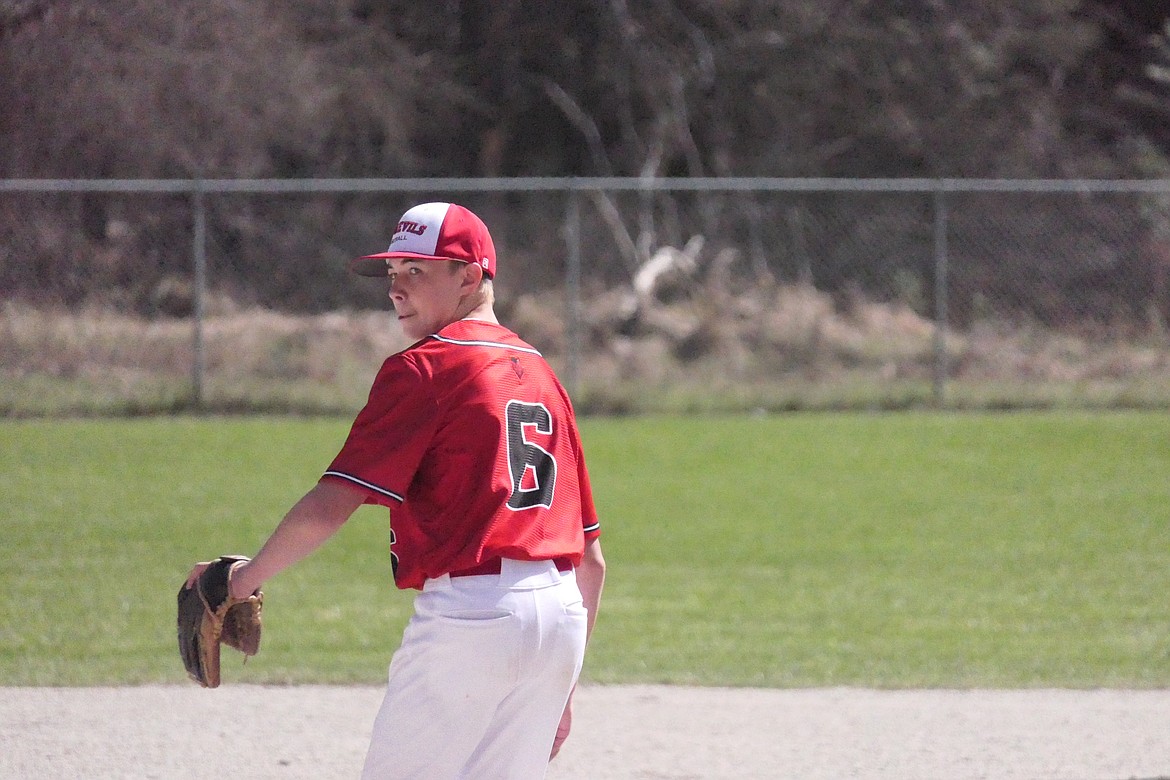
point(494, 565)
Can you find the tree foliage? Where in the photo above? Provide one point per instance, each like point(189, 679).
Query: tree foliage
point(663, 88)
point(622, 87)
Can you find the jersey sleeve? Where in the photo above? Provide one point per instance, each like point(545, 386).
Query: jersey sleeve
point(390, 434)
point(590, 524)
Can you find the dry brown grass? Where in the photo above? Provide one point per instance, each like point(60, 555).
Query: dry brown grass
point(104, 361)
point(777, 347)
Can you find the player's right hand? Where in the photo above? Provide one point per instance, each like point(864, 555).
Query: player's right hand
point(563, 729)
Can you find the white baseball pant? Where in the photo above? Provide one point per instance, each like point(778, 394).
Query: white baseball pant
point(478, 685)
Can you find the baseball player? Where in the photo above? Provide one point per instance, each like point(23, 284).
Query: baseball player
point(471, 442)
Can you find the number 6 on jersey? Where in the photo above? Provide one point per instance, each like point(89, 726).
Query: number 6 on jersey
point(524, 455)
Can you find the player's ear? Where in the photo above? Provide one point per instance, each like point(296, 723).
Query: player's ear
point(472, 275)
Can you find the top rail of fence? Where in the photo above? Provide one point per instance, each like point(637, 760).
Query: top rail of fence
point(584, 184)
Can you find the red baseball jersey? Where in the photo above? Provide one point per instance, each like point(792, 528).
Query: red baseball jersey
point(471, 441)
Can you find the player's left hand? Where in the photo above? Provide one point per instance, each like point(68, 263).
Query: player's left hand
point(233, 590)
point(209, 616)
point(563, 729)
point(196, 572)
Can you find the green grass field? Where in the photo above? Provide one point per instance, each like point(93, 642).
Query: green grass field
point(878, 550)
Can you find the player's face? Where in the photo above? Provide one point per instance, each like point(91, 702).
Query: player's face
point(426, 294)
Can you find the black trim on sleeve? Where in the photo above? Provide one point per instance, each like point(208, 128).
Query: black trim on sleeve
point(367, 485)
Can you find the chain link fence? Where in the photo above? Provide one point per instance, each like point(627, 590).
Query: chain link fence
point(140, 296)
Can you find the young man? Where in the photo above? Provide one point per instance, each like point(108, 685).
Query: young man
point(471, 442)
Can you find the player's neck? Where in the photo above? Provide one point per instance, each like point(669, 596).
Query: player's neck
point(484, 312)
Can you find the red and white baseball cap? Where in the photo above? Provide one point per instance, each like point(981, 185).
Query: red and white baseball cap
point(435, 231)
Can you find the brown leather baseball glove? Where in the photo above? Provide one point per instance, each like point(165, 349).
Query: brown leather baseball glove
point(209, 617)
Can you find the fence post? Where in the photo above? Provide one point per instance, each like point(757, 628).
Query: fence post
point(573, 292)
point(200, 258)
point(940, 298)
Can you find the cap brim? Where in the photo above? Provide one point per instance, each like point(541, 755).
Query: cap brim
point(371, 265)
point(376, 265)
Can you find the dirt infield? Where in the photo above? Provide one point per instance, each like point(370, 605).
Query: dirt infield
point(643, 732)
